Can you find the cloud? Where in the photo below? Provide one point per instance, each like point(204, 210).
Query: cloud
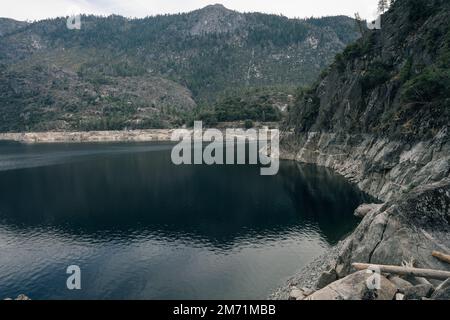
point(36, 10)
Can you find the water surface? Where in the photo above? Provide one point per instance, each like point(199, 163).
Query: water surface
point(142, 228)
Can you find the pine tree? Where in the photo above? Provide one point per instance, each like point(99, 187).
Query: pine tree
point(383, 5)
point(359, 23)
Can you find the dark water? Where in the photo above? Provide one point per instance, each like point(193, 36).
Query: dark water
point(142, 228)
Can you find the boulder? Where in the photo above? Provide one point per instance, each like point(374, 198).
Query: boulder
point(411, 226)
point(401, 284)
point(354, 287)
point(364, 209)
point(418, 292)
point(442, 292)
point(326, 278)
point(296, 294)
point(307, 291)
point(399, 296)
point(299, 294)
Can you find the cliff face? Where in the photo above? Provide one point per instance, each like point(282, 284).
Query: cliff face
point(395, 82)
point(382, 167)
point(380, 117)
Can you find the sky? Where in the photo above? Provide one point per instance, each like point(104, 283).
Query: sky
point(40, 9)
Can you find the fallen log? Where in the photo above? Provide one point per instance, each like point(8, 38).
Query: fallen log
point(405, 271)
point(441, 256)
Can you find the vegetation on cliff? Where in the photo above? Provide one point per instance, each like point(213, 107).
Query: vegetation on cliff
point(393, 82)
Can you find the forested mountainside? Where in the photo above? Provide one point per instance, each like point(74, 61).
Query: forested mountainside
point(393, 82)
point(9, 25)
point(117, 73)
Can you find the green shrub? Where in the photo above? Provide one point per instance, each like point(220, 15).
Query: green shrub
point(376, 74)
point(208, 117)
point(340, 62)
point(248, 124)
point(433, 84)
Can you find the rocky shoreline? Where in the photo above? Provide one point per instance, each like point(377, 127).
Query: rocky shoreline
point(413, 181)
point(89, 136)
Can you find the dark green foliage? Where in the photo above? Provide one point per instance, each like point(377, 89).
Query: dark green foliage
point(340, 62)
point(248, 124)
point(209, 117)
point(431, 85)
point(403, 73)
point(249, 105)
point(377, 74)
point(258, 51)
point(253, 104)
point(359, 49)
point(236, 109)
point(420, 10)
point(279, 31)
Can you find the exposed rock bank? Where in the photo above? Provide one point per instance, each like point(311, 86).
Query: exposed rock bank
point(89, 136)
point(412, 181)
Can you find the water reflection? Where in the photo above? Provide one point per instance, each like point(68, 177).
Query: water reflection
point(144, 228)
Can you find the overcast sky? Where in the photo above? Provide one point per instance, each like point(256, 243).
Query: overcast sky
point(40, 9)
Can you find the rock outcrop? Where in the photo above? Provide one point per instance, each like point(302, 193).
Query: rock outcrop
point(354, 287)
point(20, 297)
point(382, 167)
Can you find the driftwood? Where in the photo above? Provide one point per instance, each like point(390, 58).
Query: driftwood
point(405, 271)
point(441, 256)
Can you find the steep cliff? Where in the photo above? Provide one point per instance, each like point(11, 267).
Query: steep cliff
point(394, 82)
point(379, 116)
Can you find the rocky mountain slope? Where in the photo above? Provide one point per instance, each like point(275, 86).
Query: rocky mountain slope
point(380, 116)
point(8, 26)
point(55, 78)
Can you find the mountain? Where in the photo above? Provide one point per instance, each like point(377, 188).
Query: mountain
point(53, 78)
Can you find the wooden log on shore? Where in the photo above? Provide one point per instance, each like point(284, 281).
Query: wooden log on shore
point(441, 256)
point(404, 271)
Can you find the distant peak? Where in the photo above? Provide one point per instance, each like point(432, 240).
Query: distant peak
point(217, 6)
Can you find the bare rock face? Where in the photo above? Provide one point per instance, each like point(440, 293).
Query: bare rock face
point(299, 294)
point(216, 19)
point(354, 287)
point(410, 227)
point(384, 168)
point(326, 278)
point(364, 209)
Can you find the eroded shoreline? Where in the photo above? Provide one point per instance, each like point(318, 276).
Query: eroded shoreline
point(156, 135)
point(413, 181)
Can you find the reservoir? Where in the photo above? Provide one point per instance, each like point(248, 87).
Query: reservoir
point(140, 227)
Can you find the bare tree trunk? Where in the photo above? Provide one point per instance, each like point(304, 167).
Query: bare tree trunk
point(441, 256)
point(404, 271)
